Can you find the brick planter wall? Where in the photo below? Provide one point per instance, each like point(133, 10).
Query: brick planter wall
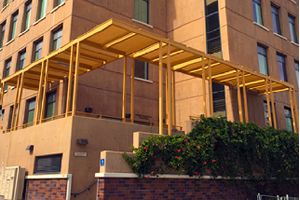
point(37, 189)
point(174, 189)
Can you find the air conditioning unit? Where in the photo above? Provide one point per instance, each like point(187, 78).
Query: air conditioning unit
point(12, 183)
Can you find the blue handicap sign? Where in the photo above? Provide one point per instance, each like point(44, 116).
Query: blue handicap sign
point(102, 162)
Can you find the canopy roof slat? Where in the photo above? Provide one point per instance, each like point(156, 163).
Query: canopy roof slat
point(115, 39)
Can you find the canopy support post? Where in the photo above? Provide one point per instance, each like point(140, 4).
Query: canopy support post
point(170, 125)
point(296, 111)
point(160, 90)
point(124, 90)
point(211, 105)
point(19, 100)
point(204, 88)
point(273, 105)
point(44, 92)
point(173, 99)
point(245, 99)
point(15, 104)
point(292, 110)
point(268, 102)
point(76, 79)
point(70, 77)
point(239, 96)
point(132, 91)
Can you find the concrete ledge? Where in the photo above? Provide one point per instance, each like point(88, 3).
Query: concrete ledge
point(114, 162)
point(139, 137)
point(48, 176)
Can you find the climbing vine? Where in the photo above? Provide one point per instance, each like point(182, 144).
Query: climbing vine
point(218, 147)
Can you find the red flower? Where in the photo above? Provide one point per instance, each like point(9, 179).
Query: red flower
point(185, 140)
point(176, 156)
point(179, 150)
point(204, 163)
point(204, 130)
point(147, 177)
point(152, 173)
point(214, 161)
point(199, 147)
point(262, 184)
point(145, 148)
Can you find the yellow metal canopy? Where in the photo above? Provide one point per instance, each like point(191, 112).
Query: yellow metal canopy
point(115, 39)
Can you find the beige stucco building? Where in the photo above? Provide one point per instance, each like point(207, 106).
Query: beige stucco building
point(260, 34)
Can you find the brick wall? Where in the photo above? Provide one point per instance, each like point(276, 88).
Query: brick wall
point(175, 189)
point(41, 189)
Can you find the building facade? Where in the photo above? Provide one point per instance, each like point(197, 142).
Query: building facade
point(259, 34)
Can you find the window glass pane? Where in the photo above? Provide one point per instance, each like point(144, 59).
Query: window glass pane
point(211, 6)
point(212, 22)
point(48, 164)
point(275, 18)
point(2, 34)
point(293, 29)
point(281, 67)
point(141, 10)
point(257, 11)
point(297, 71)
point(267, 114)
point(288, 119)
point(22, 60)
point(57, 39)
point(50, 109)
point(43, 8)
point(27, 17)
point(14, 26)
point(60, 2)
point(6, 2)
point(30, 116)
point(262, 60)
point(141, 69)
point(38, 50)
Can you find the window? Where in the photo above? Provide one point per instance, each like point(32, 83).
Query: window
point(30, 111)
point(2, 116)
point(27, 15)
point(297, 70)
point(292, 29)
point(256, 6)
point(7, 70)
point(213, 28)
point(262, 60)
point(281, 66)
point(10, 117)
point(267, 114)
point(50, 105)
point(57, 39)
point(288, 119)
point(48, 164)
point(275, 18)
point(2, 34)
point(38, 50)
point(6, 2)
point(58, 2)
point(14, 25)
point(22, 56)
point(141, 70)
point(141, 9)
point(43, 7)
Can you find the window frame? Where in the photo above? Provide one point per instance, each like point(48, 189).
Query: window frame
point(59, 38)
point(3, 27)
point(48, 103)
point(284, 67)
point(27, 15)
point(36, 43)
point(13, 26)
point(293, 32)
point(297, 71)
point(290, 118)
point(42, 12)
point(138, 63)
point(256, 3)
point(260, 53)
point(26, 116)
point(266, 113)
point(6, 70)
point(136, 15)
point(5, 3)
point(19, 59)
point(59, 156)
point(275, 16)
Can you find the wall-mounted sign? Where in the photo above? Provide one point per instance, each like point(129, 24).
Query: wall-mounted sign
point(80, 154)
point(144, 117)
point(102, 162)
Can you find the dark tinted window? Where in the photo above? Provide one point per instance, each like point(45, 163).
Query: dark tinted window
point(48, 164)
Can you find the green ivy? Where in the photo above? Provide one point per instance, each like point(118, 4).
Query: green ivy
point(221, 148)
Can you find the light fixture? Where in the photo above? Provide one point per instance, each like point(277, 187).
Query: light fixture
point(30, 148)
point(82, 141)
